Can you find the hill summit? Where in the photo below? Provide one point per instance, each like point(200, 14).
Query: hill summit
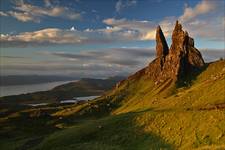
point(176, 63)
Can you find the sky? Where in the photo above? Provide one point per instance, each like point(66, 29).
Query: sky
point(100, 38)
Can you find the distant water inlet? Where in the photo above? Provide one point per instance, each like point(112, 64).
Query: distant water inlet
point(23, 89)
point(39, 104)
point(75, 99)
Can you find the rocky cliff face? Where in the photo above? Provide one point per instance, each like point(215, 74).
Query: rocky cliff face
point(179, 61)
point(182, 59)
point(161, 44)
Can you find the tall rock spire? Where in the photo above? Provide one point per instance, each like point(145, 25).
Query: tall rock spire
point(182, 47)
point(161, 44)
point(178, 38)
point(180, 61)
point(175, 65)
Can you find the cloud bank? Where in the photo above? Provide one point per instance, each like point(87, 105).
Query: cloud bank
point(116, 30)
point(26, 12)
point(205, 20)
point(108, 62)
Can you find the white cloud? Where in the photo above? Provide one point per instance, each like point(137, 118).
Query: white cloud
point(3, 14)
point(150, 35)
point(24, 16)
point(88, 30)
point(89, 63)
point(139, 30)
point(129, 24)
point(122, 4)
point(116, 30)
point(49, 35)
point(126, 57)
point(204, 7)
point(72, 29)
point(167, 25)
point(205, 20)
point(28, 12)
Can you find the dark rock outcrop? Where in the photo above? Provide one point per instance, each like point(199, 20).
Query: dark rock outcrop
point(178, 63)
point(161, 45)
point(182, 59)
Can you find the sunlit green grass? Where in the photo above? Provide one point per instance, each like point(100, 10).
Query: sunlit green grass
point(114, 132)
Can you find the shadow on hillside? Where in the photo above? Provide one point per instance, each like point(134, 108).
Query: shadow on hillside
point(189, 77)
point(119, 132)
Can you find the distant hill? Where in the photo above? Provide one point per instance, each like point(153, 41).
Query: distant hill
point(83, 87)
point(31, 79)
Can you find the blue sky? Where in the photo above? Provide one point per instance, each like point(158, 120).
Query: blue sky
point(93, 12)
point(99, 38)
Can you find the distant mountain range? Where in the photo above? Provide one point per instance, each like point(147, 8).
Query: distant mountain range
point(82, 87)
point(32, 79)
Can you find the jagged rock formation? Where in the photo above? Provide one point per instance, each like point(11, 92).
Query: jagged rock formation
point(182, 60)
point(177, 63)
point(161, 45)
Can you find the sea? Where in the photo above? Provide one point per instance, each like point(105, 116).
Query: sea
point(23, 89)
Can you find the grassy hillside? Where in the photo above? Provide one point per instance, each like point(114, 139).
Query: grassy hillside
point(139, 114)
